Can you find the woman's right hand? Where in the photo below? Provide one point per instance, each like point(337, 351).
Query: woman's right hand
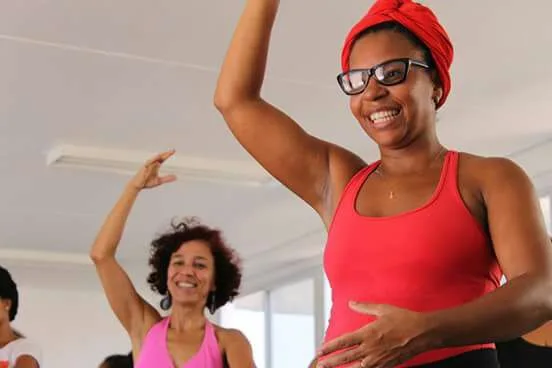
point(148, 176)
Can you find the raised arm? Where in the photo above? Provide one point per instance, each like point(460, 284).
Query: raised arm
point(300, 161)
point(133, 312)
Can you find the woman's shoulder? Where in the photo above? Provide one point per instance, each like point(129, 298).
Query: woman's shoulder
point(230, 336)
point(228, 332)
point(497, 177)
point(489, 167)
point(484, 162)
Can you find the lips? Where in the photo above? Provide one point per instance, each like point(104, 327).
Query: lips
point(186, 285)
point(383, 115)
point(382, 118)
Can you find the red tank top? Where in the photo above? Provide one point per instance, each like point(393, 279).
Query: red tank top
point(434, 257)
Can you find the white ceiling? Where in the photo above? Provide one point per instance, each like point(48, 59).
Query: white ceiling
point(140, 75)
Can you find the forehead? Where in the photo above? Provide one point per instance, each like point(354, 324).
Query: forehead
point(375, 48)
point(194, 248)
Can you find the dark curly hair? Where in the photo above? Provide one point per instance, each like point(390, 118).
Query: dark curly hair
point(119, 361)
point(8, 290)
point(227, 263)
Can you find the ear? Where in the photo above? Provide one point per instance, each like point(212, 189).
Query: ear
point(437, 94)
point(6, 304)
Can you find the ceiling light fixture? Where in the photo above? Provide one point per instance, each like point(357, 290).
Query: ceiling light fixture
point(128, 162)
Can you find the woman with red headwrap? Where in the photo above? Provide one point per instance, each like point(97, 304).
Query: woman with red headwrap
point(417, 241)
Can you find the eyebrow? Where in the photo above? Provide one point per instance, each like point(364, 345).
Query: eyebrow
point(195, 257)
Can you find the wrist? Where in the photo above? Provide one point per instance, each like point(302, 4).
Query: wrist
point(131, 188)
point(431, 337)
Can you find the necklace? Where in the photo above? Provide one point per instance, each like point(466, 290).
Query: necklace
point(391, 194)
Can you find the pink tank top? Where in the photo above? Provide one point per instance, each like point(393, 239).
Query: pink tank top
point(154, 352)
point(434, 257)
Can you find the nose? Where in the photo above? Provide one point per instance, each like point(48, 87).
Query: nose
point(374, 91)
point(188, 270)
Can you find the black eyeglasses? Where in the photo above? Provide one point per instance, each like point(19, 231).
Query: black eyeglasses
point(389, 73)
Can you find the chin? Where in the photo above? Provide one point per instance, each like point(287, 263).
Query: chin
point(387, 140)
point(188, 302)
point(188, 299)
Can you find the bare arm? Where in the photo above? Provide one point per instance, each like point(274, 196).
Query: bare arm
point(26, 361)
point(238, 350)
point(132, 311)
point(523, 250)
point(300, 161)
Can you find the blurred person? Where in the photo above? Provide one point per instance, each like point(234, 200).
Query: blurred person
point(16, 351)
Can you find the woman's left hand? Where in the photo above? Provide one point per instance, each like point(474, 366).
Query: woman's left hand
point(396, 336)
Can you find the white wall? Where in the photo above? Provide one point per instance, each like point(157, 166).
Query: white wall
point(74, 328)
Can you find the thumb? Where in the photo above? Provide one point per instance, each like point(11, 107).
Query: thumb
point(376, 310)
point(167, 179)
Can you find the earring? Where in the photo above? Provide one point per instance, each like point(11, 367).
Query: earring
point(212, 304)
point(166, 302)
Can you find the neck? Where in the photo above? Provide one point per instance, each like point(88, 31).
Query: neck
point(185, 318)
point(6, 333)
point(415, 157)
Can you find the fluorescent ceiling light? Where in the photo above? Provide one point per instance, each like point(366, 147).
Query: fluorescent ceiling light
point(128, 162)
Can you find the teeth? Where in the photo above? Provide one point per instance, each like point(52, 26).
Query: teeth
point(383, 115)
point(185, 285)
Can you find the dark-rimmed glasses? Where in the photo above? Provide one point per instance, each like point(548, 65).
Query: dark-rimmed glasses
point(389, 73)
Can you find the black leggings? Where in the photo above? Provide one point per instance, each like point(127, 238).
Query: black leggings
point(484, 358)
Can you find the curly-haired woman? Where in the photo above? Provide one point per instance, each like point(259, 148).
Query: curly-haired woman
point(192, 268)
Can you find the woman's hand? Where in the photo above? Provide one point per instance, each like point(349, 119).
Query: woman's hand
point(148, 175)
point(394, 337)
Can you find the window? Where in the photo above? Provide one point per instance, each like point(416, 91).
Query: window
point(327, 301)
point(546, 212)
point(281, 323)
point(292, 325)
point(248, 315)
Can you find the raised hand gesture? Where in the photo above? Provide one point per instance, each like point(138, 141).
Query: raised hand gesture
point(148, 175)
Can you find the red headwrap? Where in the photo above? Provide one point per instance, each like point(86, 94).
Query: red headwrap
point(417, 18)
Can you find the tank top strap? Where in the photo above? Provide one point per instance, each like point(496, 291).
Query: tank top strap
point(347, 197)
point(210, 354)
point(153, 351)
point(353, 186)
point(159, 330)
point(210, 335)
point(449, 175)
